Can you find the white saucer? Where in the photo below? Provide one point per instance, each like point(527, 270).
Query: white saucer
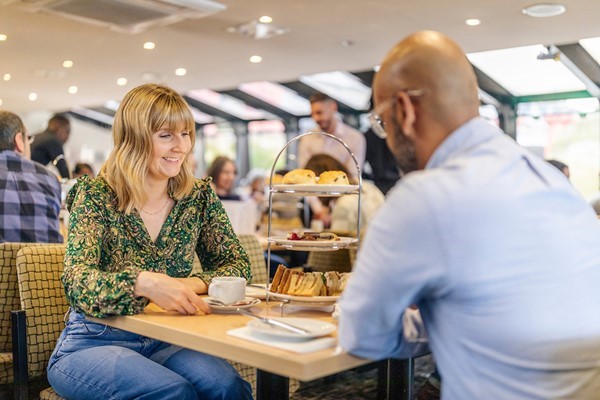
point(244, 304)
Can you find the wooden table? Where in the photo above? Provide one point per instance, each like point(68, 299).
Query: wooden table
point(208, 334)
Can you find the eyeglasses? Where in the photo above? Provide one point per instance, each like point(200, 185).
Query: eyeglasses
point(30, 138)
point(375, 116)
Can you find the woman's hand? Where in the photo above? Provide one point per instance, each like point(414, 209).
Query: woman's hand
point(171, 294)
point(196, 284)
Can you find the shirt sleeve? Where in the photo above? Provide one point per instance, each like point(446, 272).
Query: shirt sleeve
point(304, 151)
point(360, 149)
point(63, 168)
point(218, 247)
point(90, 289)
point(55, 149)
point(401, 263)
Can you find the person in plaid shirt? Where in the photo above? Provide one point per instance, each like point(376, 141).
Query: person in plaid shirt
point(29, 194)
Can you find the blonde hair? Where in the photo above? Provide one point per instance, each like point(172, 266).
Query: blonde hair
point(143, 111)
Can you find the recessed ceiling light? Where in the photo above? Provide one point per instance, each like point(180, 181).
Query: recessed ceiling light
point(542, 10)
point(122, 81)
point(255, 59)
point(149, 45)
point(257, 30)
point(347, 43)
point(151, 77)
point(3, 37)
point(0, 102)
point(472, 21)
point(180, 71)
point(32, 96)
point(7, 77)
point(67, 63)
point(73, 89)
point(265, 19)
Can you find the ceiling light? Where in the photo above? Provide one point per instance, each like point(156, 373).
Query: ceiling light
point(255, 59)
point(542, 10)
point(149, 45)
point(0, 102)
point(180, 71)
point(32, 96)
point(472, 21)
point(265, 19)
point(67, 63)
point(73, 89)
point(347, 43)
point(151, 77)
point(257, 30)
point(3, 37)
point(122, 81)
point(7, 77)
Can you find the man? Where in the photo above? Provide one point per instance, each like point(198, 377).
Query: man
point(324, 112)
point(500, 254)
point(48, 145)
point(30, 194)
point(385, 172)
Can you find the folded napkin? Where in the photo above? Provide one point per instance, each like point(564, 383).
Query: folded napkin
point(298, 345)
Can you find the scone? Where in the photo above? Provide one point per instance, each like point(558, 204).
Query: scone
point(277, 179)
point(299, 176)
point(333, 178)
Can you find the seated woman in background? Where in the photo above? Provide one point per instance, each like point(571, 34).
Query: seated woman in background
point(223, 172)
point(343, 211)
point(132, 237)
point(82, 169)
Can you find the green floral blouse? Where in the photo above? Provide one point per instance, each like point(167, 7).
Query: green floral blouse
point(107, 249)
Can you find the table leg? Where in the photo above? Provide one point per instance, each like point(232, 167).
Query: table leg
point(271, 386)
point(396, 378)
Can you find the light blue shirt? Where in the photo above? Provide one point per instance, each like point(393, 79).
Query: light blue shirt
point(502, 257)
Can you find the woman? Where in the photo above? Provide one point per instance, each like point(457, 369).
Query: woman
point(344, 210)
point(132, 236)
point(223, 172)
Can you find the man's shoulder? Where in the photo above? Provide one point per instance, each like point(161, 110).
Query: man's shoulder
point(15, 163)
point(350, 129)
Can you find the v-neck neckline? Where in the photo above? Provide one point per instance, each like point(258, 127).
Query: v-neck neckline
point(147, 238)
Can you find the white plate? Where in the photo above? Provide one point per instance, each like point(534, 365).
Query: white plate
point(342, 243)
point(256, 292)
point(246, 303)
point(315, 327)
point(322, 190)
point(305, 299)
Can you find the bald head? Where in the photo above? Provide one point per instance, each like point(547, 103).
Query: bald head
point(431, 61)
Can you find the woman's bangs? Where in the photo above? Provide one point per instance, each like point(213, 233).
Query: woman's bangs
point(176, 115)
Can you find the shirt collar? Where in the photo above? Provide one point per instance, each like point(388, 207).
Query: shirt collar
point(10, 153)
point(474, 131)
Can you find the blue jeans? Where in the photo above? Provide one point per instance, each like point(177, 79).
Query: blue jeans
point(95, 361)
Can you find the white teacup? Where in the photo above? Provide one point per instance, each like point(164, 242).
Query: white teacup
point(228, 289)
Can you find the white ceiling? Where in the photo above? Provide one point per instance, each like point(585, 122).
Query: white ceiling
point(38, 44)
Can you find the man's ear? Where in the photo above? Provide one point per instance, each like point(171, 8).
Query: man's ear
point(20, 143)
point(408, 115)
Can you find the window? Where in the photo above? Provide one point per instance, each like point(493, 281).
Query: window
point(568, 131)
point(219, 140)
point(265, 141)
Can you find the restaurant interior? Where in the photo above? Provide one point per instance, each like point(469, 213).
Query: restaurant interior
point(247, 69)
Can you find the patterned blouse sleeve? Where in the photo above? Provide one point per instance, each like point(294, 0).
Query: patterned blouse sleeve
point(218, 247)
point(94, 290)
